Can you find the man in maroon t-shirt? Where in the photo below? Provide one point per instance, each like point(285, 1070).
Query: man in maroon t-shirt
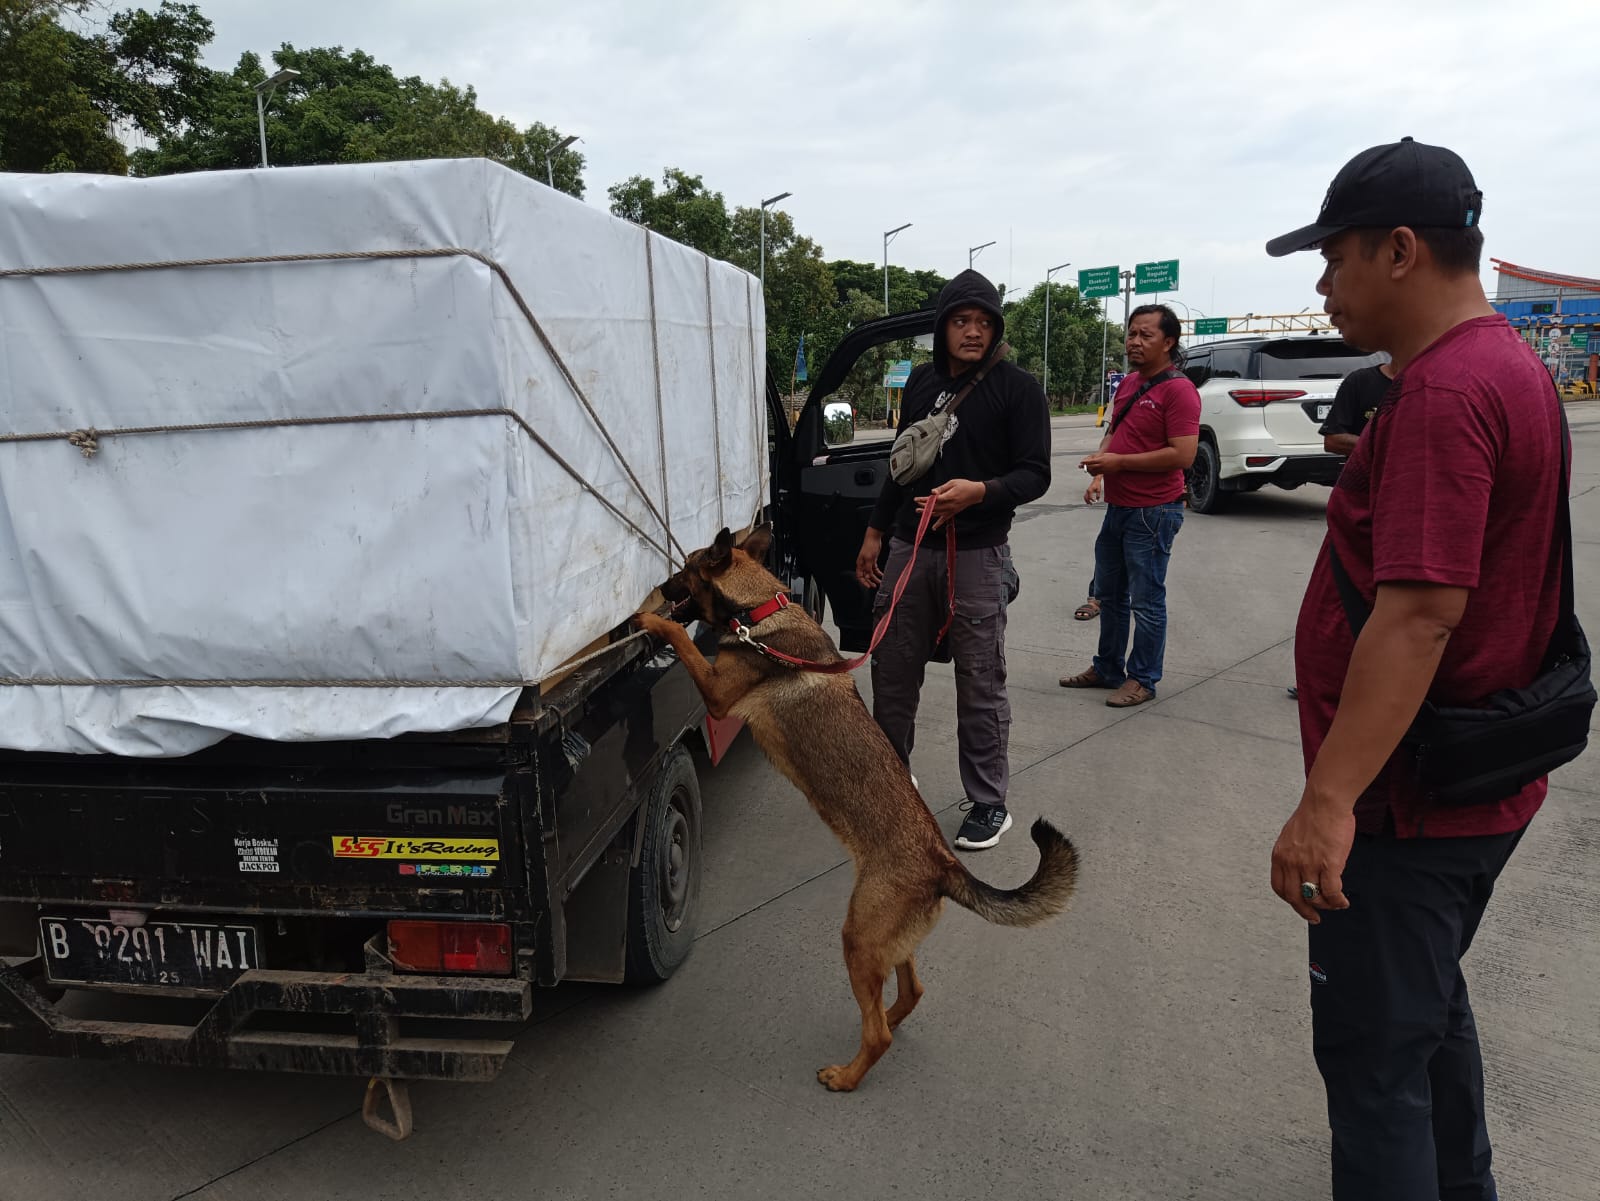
point(1155, 429)
point(1445, 520)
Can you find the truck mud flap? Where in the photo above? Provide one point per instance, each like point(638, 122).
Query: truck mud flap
point(30, 1025)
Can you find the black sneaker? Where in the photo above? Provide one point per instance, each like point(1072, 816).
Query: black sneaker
point(983, 827)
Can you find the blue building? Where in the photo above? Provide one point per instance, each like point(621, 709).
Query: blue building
point(1558, 314)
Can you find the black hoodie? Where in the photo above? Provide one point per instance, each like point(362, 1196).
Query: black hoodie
point(1002, 435)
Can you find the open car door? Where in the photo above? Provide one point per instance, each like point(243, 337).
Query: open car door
point(831, 481)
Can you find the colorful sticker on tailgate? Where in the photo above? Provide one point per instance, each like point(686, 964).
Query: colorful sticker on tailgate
point(379, 846)
point(455, 871)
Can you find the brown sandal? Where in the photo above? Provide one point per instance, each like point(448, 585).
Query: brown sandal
point(1130, 694)
point(1088, 611)
point(1086, 679)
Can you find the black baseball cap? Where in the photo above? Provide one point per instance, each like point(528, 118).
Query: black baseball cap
point(1400, 183)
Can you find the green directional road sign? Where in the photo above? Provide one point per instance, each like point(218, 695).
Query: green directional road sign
point(1097, 282)
point(1580, 339)
point(1210, 325)
point(1156, 277)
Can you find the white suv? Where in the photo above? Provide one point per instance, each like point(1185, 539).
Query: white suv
point(1262, 402)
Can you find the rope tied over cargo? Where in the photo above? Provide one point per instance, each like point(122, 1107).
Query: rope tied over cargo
point(87, 440)
point(565, 669)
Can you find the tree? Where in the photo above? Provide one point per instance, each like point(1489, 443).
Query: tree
point(349, 108)
point(908, 290)
point(685, 210)
point(1076, 332)
point(800, 291)
point(566, 165)
point(62, 93)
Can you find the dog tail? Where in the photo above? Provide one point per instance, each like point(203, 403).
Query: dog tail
point(1042, 897)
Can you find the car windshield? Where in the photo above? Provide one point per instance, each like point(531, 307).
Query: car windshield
point(1299, 359)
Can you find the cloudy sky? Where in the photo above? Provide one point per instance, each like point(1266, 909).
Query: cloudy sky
point(1095, 133)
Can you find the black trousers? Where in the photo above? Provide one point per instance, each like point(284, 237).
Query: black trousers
point(1392, 1029)
point(977, 642)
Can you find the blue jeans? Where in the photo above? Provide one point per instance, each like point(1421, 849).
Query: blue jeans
point(1130, 576)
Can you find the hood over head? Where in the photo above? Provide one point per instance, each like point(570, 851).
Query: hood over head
point(968, 288)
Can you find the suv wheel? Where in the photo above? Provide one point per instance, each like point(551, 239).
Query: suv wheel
point(1205, 483)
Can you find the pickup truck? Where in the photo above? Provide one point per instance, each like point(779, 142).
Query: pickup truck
point(251, 888)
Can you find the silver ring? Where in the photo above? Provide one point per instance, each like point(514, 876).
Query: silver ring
point(1310, 891)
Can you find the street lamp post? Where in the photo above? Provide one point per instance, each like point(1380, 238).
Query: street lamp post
point(888, 236)
point(263, 90)
point(974, 251)
point(549, 170)
point(1047, 276)
point(765, 204)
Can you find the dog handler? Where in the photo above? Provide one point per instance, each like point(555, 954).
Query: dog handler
point(996, 457)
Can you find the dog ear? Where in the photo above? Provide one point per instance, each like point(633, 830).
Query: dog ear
point(757, 542)
point(720, 552)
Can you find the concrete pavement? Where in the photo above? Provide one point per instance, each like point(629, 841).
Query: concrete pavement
point(1153, 1043)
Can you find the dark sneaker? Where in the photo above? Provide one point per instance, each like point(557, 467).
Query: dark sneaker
point(983, 827)
point(1294, 693)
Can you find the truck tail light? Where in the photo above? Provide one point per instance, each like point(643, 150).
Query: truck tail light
point(1254, 398)
point(479, 948)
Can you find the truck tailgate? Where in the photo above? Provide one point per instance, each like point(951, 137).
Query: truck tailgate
point(290, 837)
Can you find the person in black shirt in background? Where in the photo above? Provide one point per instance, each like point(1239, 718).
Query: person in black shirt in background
point(1359, 395)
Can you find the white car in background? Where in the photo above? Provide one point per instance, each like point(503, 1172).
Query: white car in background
point(1263, 400)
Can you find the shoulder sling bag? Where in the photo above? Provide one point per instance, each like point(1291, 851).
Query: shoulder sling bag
point(918, 445)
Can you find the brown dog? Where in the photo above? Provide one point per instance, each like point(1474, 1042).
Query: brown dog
point(817, 731)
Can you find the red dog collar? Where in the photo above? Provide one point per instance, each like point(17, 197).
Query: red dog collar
point(761, 612)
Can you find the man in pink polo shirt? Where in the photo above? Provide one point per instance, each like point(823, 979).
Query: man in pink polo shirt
point(1154, 431)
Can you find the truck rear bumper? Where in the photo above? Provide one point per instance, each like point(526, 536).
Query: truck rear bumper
point(374, 1001)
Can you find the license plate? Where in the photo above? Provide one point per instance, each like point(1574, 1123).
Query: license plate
point(1323, 411)
point(81, 950)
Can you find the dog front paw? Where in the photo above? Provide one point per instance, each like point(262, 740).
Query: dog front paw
point(836, 1079)
point(652, 623)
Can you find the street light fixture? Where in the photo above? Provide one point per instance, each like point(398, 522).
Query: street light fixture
point(974, 251)
point(765, 204)
point(264, 90)
point(550, 171)
point(1047, 276)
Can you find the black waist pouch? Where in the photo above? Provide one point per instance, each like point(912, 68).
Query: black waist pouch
point(1476, 754)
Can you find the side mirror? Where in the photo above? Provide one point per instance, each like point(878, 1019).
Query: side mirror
point(838, 423)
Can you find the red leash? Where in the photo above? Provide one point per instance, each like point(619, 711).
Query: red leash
point(842, 665)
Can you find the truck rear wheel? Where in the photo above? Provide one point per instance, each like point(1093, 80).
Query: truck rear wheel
point(664, 888)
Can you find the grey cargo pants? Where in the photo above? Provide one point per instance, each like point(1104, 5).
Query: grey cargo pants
point(977, 642)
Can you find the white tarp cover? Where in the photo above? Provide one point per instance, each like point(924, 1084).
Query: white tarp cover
point(428, 550)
